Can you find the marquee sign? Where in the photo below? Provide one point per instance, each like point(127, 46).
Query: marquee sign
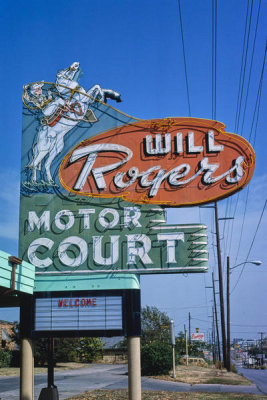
point(86, 313)
point(78, 313)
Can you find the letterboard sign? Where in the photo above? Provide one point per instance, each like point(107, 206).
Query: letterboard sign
point(82, 313)
point(86, 313)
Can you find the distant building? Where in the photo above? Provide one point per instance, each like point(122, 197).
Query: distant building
point(114, 352)
point(6, 335)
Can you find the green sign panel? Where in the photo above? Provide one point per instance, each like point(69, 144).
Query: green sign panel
point(119, 237)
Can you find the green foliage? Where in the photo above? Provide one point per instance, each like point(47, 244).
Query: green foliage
point(156, 358)
point(66, 350)
point(155, 325)
point(5, 358)
point(195, 349)
point(40, 352)
point(90, 349)
point(156, 350)
point(16, 333)
point(233, 368)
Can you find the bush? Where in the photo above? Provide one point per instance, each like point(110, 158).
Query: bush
point(65, 350)
point(5, 358)
point(90, 349)
point(156, 358)
point(233, 368)
point(15, 358)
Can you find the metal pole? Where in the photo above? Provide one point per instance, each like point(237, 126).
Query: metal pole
point(216, 318)
point(134, 368)
point(173, 362)
point(26, 370)
point(220, 285)
point(173, 347)
point(228, 366)
point(50, 369)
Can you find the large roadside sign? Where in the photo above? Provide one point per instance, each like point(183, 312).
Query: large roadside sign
point(95, 181)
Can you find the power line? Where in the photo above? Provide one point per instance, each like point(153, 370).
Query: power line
point(214, 59)
point(255, 118)
point(257, 105)
point(250, 68)
point(242, 227)
point(242, 70)
point(240, 93)
point(253, 240)
point(185, 68)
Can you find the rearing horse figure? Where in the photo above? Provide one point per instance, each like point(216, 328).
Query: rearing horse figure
point(61, 115)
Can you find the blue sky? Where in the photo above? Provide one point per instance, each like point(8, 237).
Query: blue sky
point(135, 47)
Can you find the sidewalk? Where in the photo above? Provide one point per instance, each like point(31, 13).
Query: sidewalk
point(160, 385)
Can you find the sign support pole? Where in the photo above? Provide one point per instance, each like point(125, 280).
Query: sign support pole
point(26, 370)
point(27, 346)
point(134, 368)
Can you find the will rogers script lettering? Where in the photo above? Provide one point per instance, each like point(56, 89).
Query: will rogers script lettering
point(172, 162)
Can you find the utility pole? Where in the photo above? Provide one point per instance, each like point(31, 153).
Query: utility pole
point(189, 326)
point(261, 333)
point(220, 285)
point(186, 345)
point(213, 338)
point(216, 317)
point(228, 360)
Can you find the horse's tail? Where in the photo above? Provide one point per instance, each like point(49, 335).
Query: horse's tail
point(111, 94)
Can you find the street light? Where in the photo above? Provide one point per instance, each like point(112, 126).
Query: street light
point(255, 262)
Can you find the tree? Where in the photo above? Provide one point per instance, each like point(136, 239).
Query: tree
point(195, 349)
point(16, 333)
point(156, 351)
point(90, 349)
point(155, 325)
point(156, 358)
point(66, 350)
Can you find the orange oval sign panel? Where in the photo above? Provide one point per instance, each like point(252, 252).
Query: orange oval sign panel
point(171, 162)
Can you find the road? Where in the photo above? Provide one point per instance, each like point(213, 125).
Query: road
point(258, 376)
point(100, 376)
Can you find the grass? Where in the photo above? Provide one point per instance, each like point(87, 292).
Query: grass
point(42, 370)
point(209, 375)
point(123, 395)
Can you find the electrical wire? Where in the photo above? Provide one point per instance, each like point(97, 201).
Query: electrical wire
point(185, 67)
point(241, 88)
point(254, 121)
point(244, 69)
point(257, 105)
point(250, 248)
point(250, 68)
point(214, 59)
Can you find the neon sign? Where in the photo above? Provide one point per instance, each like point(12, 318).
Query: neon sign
point(186, 162)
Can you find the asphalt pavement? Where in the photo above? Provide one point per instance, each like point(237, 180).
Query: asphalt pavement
point(101, 376)
point(258, 376)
